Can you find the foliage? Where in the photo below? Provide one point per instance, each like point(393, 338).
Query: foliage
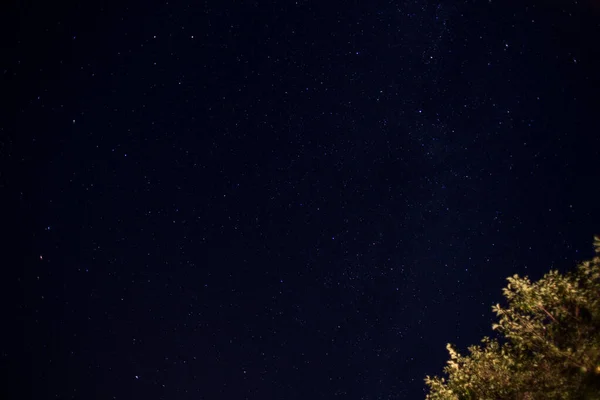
point(549, 344)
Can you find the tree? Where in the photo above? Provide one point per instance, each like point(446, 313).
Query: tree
point(548, 345)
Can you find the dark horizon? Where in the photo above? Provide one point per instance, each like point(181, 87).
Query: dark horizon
point(213, 200)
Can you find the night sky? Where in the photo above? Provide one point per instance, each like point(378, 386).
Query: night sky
point(282, 199)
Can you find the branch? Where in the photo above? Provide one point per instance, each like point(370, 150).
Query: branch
point(547, 313)
point(553, 347)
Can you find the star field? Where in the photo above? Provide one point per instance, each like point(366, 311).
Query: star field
point(283, 200)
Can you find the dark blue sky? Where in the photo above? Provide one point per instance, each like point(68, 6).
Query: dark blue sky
point(283, 200)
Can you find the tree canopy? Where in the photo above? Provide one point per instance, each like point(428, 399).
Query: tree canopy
point(548, 344)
